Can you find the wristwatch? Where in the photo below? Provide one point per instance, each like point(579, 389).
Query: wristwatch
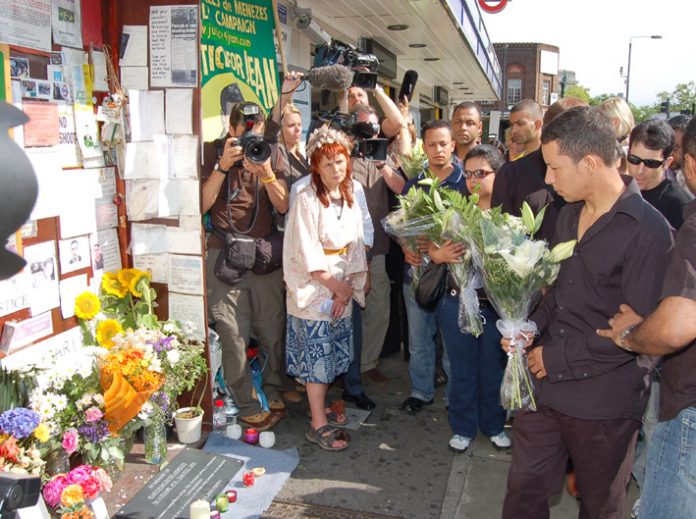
point(624, 334)
point(217, 167)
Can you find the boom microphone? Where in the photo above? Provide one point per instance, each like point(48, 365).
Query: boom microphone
point(408, 85)
point(331, 77)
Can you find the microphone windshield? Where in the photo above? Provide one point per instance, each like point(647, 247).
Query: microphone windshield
point(331, 77)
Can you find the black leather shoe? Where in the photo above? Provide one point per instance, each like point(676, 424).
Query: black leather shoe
point(361, 400)
point(412, 404)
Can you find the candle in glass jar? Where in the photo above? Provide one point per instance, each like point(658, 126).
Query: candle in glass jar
point(199, 510)
point(248, 479)
point(251, 436)
point(232, 496)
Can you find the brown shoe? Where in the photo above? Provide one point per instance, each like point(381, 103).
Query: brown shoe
point(292, 397)
point(376, 376)
point(262, 421)
point(277, 406)
point(572, 485)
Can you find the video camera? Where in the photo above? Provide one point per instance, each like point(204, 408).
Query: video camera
point(256, 150)
point(339, 53)
point(366, 146)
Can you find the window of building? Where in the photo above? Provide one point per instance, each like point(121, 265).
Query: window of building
point(514, 91)
point(546, 92)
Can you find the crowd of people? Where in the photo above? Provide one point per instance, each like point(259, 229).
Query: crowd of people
point(614, 358)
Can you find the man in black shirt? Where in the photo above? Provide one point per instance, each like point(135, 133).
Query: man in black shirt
point(590, 394)
point(649, 155)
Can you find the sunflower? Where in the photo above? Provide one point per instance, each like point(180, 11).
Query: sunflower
point(125, 276)
point(112, 286)
point(87, 305)
point(106, 331)
point(139, 282)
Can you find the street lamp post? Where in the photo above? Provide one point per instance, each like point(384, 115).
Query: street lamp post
point(628, 71)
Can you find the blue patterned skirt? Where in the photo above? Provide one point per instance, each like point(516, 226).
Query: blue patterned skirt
point(318, 351)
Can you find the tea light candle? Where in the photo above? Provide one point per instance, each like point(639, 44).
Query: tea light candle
point(199, 510)
point(234, 431)
point(251, 436)
point(248, 479)
point(232, 496)
point(267, 439)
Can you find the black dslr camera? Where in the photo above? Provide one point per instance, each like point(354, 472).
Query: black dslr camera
point(17, 491)
point(256, 150)
point(339, 53)
point(366, 146)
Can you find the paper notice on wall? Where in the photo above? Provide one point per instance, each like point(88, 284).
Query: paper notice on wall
point(146, 110)
point(17, 335)
point(184, 241)
point(78, 217)
point(42, 265)
point(65, 343)
point(134, 78)
point(155, 264)
point(26, 24)
point(43, 126)
point(68, 151)
point(174, 45)
point(100, 82)
point(47, 169)
point(179, 111)
point(148, 239)
point(188, 309)
point(141, 161)
point(15, 293)
point(105, 210)
point(67, 23)
point(133, 51)
point(142, 199)
point(185, 274)
point(69, 290)
point(106, 252)
point(177, 197)
point(86, 129)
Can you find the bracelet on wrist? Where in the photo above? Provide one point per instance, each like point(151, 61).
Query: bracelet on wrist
point(624, 335)
point(269, 179)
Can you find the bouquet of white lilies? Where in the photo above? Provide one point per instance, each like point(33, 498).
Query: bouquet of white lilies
point(515, 268)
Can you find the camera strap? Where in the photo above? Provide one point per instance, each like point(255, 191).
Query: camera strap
point(230, 198)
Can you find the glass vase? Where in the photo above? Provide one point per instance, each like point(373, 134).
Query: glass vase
point(57, 462)
point(155, 443)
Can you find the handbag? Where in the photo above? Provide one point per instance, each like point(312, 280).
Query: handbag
point(432, 285)
point(269, 253)
point(237, 256)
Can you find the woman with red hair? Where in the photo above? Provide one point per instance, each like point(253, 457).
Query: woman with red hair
point(325, 269)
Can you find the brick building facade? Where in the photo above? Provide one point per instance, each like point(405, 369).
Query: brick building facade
point(530, 71)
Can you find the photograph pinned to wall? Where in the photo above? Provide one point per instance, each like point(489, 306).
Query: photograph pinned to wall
point(43, 265)
point(29, 88)
point(74, 254)
point(19, 68)
point(106, 252)
point(43, 90)
point(54, 72)
point(67, 24)
point(61, 92)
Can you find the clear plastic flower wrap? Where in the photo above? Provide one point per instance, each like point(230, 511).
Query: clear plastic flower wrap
point(515, 268)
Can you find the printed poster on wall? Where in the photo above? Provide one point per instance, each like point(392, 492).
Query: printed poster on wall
point(27, 24)
point(67, 23)
point(174, 46)
point(237, 60)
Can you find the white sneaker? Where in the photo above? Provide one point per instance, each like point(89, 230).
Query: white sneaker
point(459, 443)
point(501, 441)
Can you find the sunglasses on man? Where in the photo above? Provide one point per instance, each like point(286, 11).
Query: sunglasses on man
point(477, 173)
point(649, 163)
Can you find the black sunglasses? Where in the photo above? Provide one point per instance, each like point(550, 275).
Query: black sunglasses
point(649, 163)
point(477, 173)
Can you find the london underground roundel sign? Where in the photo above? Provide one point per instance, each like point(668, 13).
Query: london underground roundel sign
point(492, 6)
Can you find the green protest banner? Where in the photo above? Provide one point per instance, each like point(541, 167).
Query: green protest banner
point(237, 59)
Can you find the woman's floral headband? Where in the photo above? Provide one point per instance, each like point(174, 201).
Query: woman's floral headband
point(326, 135)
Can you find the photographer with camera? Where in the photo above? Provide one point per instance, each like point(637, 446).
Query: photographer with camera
point(242, 190)
point(377, 175)
point(393, 120)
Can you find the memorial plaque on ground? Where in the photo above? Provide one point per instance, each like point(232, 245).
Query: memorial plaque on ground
point(190, 476)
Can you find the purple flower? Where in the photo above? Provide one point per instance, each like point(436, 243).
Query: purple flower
point(94, 432)
point(20, 422)
point(164, 344)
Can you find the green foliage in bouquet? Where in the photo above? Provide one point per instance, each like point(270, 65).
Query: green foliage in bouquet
point(14, 390)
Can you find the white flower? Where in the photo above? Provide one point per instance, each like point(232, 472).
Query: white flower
point(145, 411)
point(173, 356)
point(525, 257)
point(170, 328)
point(155, 365)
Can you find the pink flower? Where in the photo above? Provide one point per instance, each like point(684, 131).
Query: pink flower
point(91, 488)
point(104, 479)
point(54, 488)
point(93, 414)
point(80, 474)
point(70, 440)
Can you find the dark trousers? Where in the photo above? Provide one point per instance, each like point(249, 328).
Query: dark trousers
point(601, 451)
point(351, 379)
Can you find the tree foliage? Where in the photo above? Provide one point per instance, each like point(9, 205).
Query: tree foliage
point(578, 91)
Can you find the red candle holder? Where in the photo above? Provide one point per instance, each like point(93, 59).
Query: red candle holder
point(251, 436)
point(248, 479)
point(232, 496)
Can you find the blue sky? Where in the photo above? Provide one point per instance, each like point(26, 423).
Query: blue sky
point(593, 36)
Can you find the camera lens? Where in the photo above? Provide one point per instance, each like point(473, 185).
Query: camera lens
point(257, 152)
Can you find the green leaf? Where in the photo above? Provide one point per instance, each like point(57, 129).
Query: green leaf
point(438, 201)
point(562, 251)
point(539, 219)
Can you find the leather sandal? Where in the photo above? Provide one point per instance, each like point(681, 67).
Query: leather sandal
point(325, 437)
point(262, 421)
point(277, 407)
point(335, 413)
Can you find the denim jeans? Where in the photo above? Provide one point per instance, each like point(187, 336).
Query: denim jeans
point(669, 489)
point(649, 423)
point(477, 365)
point(422, 327)
point(351, 379)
